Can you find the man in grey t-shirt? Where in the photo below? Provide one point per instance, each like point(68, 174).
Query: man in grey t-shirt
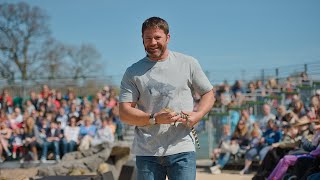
point(163, 143)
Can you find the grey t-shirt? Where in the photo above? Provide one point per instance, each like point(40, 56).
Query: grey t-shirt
point(163, 84)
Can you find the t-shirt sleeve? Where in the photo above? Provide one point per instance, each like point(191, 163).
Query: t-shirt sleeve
point(128, 89)
point(200, 82)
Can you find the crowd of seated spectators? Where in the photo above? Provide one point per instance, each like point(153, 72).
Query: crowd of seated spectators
point(48, 124)
point(285, 136)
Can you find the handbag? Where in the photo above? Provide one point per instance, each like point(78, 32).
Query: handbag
point(227, 147)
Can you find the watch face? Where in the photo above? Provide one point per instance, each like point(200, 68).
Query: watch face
point(152, 120)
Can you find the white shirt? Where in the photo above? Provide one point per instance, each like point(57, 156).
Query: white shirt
point(72, 133)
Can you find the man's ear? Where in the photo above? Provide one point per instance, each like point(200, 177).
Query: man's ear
point(142, 39)
point(168, 37)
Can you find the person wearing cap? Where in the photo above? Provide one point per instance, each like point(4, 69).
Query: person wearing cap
point(303, 125)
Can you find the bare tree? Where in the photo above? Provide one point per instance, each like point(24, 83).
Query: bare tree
point(53, 64)
point(23, 30)
point(83, 61)
point(27, 50)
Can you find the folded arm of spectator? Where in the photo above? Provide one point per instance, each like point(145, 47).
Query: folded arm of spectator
point(276, 138)
point(287, 143)
point(270, 140)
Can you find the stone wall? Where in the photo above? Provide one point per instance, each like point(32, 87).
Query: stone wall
point(96, 160)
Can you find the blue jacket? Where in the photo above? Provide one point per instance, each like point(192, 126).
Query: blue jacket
point(272, 136)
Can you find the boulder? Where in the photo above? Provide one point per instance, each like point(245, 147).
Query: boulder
point(102, 159)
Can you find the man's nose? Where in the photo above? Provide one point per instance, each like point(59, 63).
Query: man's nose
point(153, 41)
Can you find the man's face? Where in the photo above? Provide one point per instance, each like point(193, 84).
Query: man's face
point(266, 109)
point(155, 43)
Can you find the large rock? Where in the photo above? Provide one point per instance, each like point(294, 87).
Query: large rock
point(98, 159)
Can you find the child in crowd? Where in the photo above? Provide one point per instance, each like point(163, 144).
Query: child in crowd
point(17, 142)
point(255, 137)
point(52, 139)
point(44, 127)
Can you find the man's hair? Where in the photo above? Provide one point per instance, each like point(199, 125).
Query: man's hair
point(155, 22)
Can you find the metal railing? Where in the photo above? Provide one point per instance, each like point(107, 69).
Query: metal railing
point(217, 76)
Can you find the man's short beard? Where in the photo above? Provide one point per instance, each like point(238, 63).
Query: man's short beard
point(149, 55)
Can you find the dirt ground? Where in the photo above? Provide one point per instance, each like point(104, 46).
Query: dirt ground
point(17, 174)
point(202, 174)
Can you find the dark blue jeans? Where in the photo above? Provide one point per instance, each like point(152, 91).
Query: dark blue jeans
point(68, 146)
point(47, 145)
point(180, 166)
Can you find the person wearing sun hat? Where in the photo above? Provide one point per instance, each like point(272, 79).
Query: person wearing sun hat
point(302, 121)
point(303, 125)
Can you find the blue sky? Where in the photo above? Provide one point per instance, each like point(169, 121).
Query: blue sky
point(227, 37)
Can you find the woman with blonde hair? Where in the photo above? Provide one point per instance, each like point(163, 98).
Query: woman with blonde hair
point(272, 84)
point(242, 131)
point(314, 108)
point(299, 109)
point(31, 137)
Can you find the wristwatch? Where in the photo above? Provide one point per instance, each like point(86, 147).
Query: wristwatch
point(152, 119)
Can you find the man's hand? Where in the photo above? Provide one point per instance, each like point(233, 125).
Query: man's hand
point(49, 139)
point(169, 116)
point(193, 118)
point(166, 116)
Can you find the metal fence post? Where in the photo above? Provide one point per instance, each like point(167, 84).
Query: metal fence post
point(306, 68)
point(210, 136)
point(283, 96)
point(277, 75)
point(262, 76)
